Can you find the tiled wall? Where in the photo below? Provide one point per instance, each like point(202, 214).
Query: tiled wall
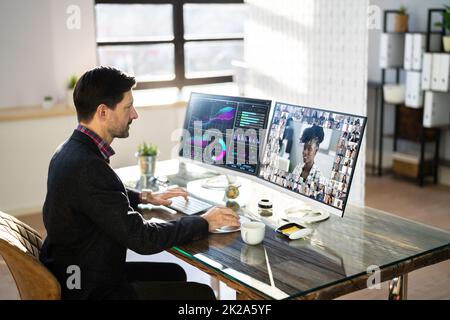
point(313, 53)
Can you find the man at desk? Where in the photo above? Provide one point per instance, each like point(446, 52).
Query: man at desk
point(90, 216)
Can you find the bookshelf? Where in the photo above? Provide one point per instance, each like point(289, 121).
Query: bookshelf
point(408, 121)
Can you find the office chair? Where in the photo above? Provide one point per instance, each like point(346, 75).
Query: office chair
point(19, 247)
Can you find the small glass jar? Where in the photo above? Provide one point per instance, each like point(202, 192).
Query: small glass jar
point(265, 208)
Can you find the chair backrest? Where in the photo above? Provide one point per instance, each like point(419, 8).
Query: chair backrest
point(20, 246)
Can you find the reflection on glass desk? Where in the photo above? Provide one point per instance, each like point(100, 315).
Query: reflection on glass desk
point(167, 173)
point(334, 260)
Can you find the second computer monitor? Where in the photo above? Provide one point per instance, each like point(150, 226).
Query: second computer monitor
point(225, 131)
point(313, 152)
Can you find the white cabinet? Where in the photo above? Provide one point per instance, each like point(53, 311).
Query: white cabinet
point(427, 62)
point(414, 93)
point(440, 71)
point(392, 50)
point(437, 109)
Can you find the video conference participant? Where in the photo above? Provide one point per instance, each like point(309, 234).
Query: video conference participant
point(91, 218)
point(311, 138)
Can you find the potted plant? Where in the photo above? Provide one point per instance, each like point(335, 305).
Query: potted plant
point(70, 87)
point(446, 25)
point(401, 20)
point(147, 153)
point(48, 102)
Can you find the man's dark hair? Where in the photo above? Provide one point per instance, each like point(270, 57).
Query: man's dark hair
point(100, 85)
point(313, 134)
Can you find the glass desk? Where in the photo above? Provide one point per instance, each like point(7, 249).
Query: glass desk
point(336, 259)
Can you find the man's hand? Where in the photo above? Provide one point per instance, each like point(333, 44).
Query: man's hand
point(162, 198)
point(219, 217)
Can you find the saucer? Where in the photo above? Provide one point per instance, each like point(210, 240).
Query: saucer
point(226, 229)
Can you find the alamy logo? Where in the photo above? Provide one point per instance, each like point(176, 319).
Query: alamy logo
point(373, 17)
point(374, 280)
point(74, 280)
point(215, 146)
point(73, 21)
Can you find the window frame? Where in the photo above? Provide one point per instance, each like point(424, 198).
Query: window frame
point(178, 41)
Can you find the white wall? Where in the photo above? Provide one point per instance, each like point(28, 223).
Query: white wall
point(27, 147)
point(38, 52)
point(74, 50)
point(313, 53)
point(25, 59)
point(418, 15)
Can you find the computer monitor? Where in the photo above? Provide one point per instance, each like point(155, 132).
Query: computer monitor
point(225, 132)
point(312, 152)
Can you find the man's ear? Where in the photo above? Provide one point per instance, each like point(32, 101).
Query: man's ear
point(102, 111)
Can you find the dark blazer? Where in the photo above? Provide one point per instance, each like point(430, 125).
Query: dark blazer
point(90, 222)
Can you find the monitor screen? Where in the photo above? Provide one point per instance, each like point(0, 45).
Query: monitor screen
point(225, 131)
point(312, 152)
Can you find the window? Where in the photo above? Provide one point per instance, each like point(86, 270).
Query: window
point(171, 43)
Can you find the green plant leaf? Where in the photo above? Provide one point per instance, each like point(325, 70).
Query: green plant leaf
point(445, 23)
point(446, 20)
point(403, 10)
point(147, 149)
point(72, 82)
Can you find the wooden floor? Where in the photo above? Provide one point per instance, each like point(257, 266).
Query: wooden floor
point(429, 205)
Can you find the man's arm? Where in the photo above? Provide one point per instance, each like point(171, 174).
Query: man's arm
point(106, 203)
point(134, 196)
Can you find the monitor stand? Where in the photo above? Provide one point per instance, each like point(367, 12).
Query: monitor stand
point(188, 172)
point(222, 190)
point(221, 182)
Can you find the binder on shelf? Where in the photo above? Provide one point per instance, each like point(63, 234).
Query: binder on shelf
point(414, 93)
point(427, 62)
point(407, 61)
point(392, 50)
point(415, 46)
point(440, 72)
point(419, 45)
point(436, 111)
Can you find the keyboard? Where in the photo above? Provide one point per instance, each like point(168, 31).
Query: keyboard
point(193, 206)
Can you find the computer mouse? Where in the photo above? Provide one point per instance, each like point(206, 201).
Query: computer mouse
point(300, 234)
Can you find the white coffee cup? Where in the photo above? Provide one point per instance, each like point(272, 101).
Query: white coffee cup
point(252, 232)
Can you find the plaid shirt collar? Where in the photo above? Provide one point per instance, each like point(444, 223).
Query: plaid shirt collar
point(101, 144)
